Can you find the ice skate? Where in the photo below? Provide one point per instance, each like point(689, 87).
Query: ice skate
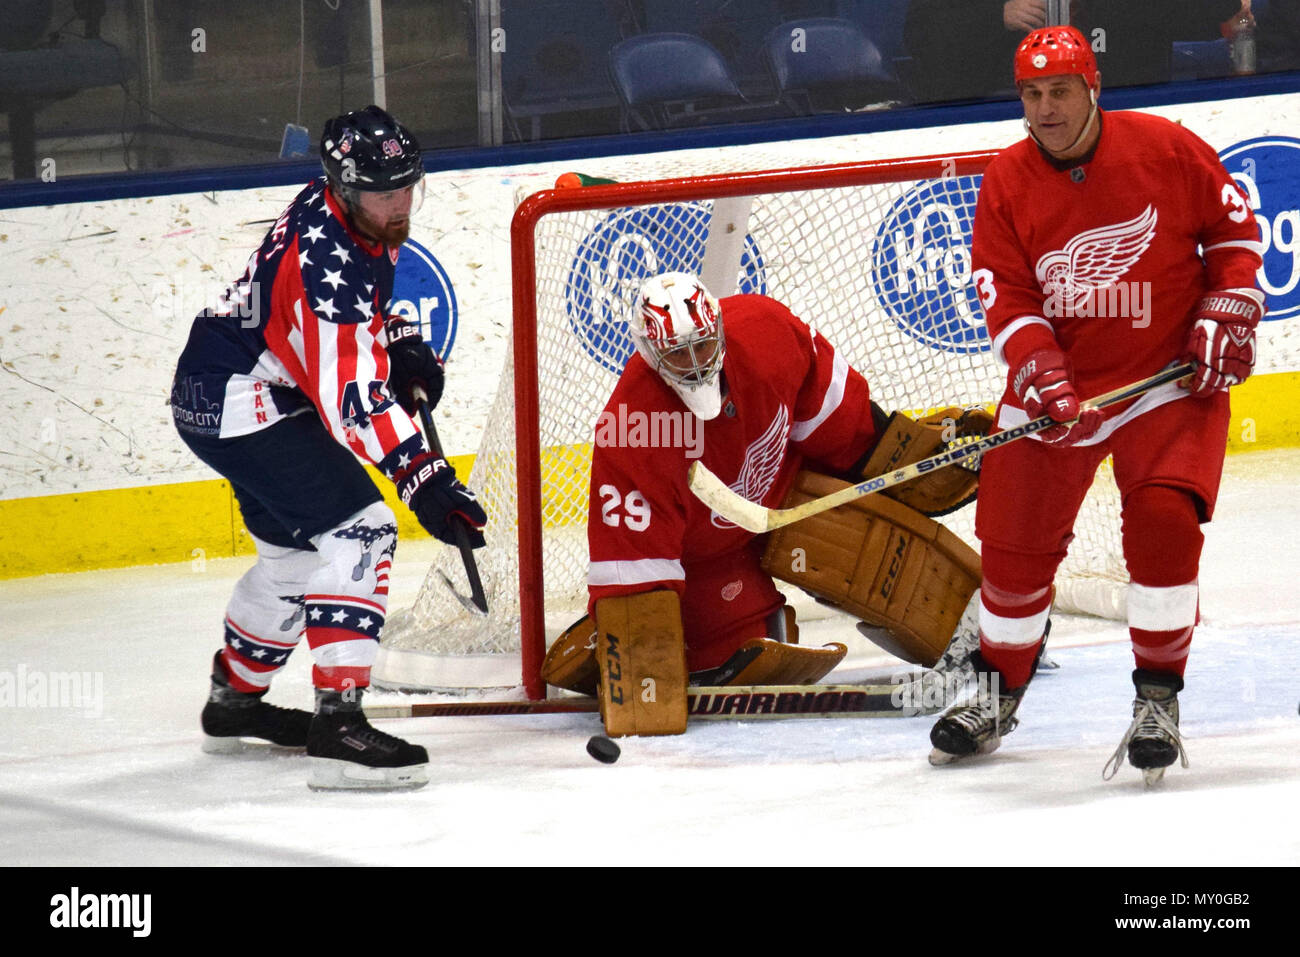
point(976, 726)
point(1152, 741)
point(348, 754)
point(230, 716)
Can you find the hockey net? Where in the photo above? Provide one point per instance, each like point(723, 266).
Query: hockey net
point(875, 255)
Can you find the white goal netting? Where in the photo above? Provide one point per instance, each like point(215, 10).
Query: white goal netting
point(877, 258)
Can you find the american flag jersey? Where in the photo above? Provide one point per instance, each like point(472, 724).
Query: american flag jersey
point(301, 330)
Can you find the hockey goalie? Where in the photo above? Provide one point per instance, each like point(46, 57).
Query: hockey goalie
point(680, 596)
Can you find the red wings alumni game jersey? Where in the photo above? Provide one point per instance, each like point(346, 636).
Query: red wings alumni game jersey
point(787, 396)
point(1112, 257)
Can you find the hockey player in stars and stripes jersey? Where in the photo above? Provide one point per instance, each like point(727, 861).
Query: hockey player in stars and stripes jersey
point(298, 373)
point(1107, 246)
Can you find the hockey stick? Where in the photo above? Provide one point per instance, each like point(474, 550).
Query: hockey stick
point(736, 703)
point(477, 602)
point(756, 518)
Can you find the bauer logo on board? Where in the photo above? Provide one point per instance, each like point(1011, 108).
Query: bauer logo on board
point(1267, 171)
point(622, 251)
point(922, 265)
point(422, 295)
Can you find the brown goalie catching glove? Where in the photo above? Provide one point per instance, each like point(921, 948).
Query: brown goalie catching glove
point(903, 441)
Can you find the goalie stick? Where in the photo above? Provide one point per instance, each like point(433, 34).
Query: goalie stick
point(927, 693)
point(477, 601)
point(757, 518)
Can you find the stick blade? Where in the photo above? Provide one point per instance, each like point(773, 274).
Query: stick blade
point(710, 490)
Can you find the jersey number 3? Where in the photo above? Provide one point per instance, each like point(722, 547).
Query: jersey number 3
point(635, 510)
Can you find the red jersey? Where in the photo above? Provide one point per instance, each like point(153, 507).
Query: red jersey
point(1108, 259)
point(787, 396)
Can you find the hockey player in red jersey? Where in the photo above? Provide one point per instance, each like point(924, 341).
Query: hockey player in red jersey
point(675, 590)
point(1107, 246)
point(300, 371)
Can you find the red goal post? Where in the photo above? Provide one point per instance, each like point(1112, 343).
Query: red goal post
point(875, 254)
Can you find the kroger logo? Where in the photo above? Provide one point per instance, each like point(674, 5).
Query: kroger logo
point(922, 265)
point(422, 294)
point(1267, 169)
point(627, 248)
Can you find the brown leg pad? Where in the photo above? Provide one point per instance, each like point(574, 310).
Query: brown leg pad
point(642, 661)
point(881, 561)
point(762, 661)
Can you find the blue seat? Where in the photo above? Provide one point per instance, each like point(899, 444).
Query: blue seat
point(675, 79)
point(736, 30)
point(826, 64)
point(1200, 59)
point(554, 62)
point(35, 74)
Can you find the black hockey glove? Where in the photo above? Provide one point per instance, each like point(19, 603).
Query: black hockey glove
point(431, 490)
point(412, 363)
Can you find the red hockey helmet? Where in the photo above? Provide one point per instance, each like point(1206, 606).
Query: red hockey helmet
point(1056, 51)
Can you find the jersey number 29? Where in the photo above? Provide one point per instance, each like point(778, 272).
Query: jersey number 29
point(635, 509)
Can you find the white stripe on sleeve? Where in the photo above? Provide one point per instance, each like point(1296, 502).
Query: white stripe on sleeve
point(830, 402)
point(636, 572)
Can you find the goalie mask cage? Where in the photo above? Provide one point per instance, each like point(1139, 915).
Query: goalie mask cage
point(874, 255)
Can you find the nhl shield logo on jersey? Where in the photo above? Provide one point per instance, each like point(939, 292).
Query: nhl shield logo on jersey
point(1267, 173)
point(423, 295)
point(922, 260)
point(625, 249)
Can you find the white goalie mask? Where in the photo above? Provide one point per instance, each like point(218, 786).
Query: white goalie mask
point(677, 328)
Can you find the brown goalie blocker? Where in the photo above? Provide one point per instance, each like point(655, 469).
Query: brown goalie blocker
point(904, 441)
point(881, 561)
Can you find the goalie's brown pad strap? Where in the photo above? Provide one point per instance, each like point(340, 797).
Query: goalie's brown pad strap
point(641, 654)
point(905, 441)
point(880, 560)
point(762, 661)
point(570, 662)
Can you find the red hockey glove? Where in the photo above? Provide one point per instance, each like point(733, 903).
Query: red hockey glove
point(1222, 340)
point(432, 491)
point(412, 363)
point(1043, 386)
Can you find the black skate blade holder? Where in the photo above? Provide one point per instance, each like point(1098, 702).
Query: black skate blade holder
point(476, 601)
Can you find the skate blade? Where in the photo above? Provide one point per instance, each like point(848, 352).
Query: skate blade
point(237, 745)
point(941, 759)
point(328, 774)
point(1152, 776)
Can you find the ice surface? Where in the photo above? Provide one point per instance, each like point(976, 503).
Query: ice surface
point(120, 779)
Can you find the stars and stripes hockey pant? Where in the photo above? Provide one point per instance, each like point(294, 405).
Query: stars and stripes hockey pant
point(325, 542)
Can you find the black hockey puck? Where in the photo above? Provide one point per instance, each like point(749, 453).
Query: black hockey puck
point(602, 749)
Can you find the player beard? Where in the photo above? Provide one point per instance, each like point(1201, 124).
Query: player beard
point(392, 233)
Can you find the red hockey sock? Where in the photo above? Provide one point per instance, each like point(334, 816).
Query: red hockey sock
point(1162, 545)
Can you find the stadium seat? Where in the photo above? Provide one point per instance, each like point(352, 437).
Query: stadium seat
point(825, 64)
point(670, 80)
point(554, 63)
